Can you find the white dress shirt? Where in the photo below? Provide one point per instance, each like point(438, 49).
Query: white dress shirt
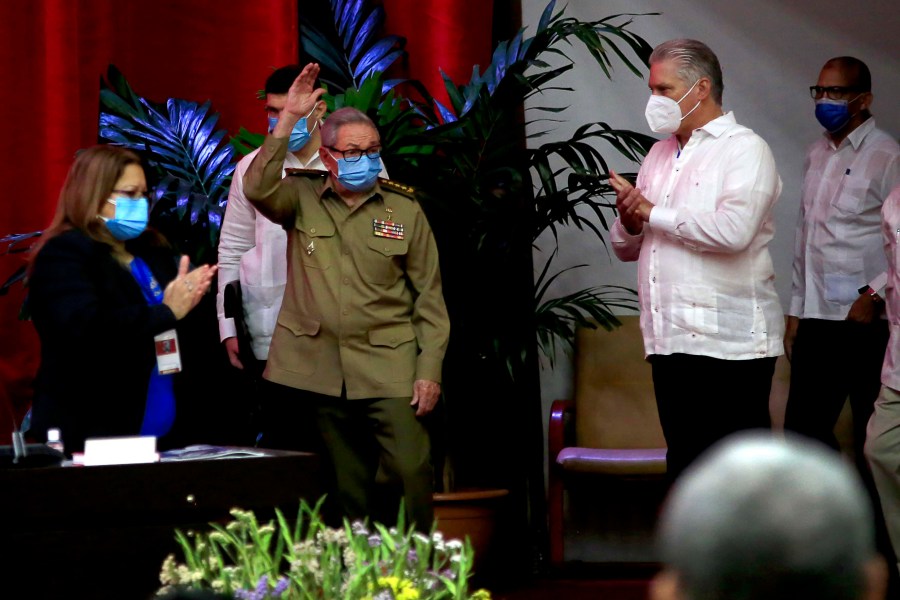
point(891, 229)
point(253, 249)
point(838, 245)
point(705, 277)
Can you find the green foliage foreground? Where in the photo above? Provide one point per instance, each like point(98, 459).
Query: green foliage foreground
point(306, 560)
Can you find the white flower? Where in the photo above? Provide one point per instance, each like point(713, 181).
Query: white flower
point(454, 545)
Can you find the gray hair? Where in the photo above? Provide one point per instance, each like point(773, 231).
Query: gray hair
point(764, 519)
point(694, 60)
point(343, 116)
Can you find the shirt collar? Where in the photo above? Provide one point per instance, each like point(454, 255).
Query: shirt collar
point(719, 125)
point(855, 137)
point(329, 191)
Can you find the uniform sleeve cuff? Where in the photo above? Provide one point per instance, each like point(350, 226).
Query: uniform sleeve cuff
point(428, 368)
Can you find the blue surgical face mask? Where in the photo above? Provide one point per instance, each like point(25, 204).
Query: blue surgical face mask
point(833, 115)
point(300, 134)
point(131, 217)
point(360, 175)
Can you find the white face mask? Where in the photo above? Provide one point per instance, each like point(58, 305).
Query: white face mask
point(664, 114)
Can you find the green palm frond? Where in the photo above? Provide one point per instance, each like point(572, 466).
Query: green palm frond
point(557, 318)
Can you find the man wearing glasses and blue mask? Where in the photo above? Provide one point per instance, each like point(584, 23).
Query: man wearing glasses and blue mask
point(836, 333)
point(363, 328)
point(252, 250)
point(699, 222)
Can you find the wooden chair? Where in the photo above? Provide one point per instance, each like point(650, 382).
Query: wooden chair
point(611, 429)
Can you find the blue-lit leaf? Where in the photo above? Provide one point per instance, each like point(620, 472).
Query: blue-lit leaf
point(545, 16)
point(366, 34)
point(446, 114)
point(382, 64)
point(351, 23)
point(374, 54)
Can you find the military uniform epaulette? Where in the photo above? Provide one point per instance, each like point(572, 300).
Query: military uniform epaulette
point(397, 188)
point(311, 173)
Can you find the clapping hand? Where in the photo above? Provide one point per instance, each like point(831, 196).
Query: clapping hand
point(185, 291)
point(633, 208)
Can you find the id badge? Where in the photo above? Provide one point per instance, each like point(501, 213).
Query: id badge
point(168, 356)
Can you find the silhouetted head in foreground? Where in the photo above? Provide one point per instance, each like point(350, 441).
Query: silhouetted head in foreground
point(759, 518)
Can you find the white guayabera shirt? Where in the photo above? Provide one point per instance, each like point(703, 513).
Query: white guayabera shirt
point(705, 277)
point(890, 373)
point(838, 246)
point(253, 249)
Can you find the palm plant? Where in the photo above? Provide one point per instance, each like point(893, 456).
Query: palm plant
point(468, 159)
point(489, 198)
point(190, 164)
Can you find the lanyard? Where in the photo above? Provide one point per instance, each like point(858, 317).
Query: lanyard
point(147, 282)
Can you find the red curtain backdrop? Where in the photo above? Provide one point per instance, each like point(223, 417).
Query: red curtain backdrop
point(54, 52)
point(52, 55)
point(452, 36)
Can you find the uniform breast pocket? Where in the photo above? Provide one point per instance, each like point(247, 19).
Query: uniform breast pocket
point(314, 241)
point(851, 196)
point(382, 262)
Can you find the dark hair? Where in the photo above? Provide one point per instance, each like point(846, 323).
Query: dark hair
point(855, 69)
point(279, 82)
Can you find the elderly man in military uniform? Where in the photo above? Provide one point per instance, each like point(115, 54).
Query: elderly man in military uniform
point(363, 327)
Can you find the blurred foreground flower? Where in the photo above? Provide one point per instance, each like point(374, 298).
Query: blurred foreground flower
point(305, 560)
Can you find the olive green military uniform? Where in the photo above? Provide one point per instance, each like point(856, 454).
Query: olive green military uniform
point(363, 317)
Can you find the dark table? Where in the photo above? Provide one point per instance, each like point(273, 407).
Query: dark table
point(103, 532)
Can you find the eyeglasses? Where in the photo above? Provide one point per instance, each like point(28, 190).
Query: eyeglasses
point(833, 92)
point(133, 194)
point(352, 155)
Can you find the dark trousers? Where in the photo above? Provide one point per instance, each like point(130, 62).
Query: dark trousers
point(378, 438)
point(832, 360)
point(286, 420)
point(703, 399)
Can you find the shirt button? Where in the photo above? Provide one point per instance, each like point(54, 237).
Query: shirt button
point(312, 230)
point(346, 281)
point(345, 311)
point(344, 343)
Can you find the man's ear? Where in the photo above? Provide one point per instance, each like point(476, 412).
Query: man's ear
point(866, 101)
point(320, 110)
point(704, 88)
point(664, 586)
point(876, 574)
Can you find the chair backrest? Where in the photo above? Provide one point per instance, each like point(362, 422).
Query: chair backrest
point(615, 406)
